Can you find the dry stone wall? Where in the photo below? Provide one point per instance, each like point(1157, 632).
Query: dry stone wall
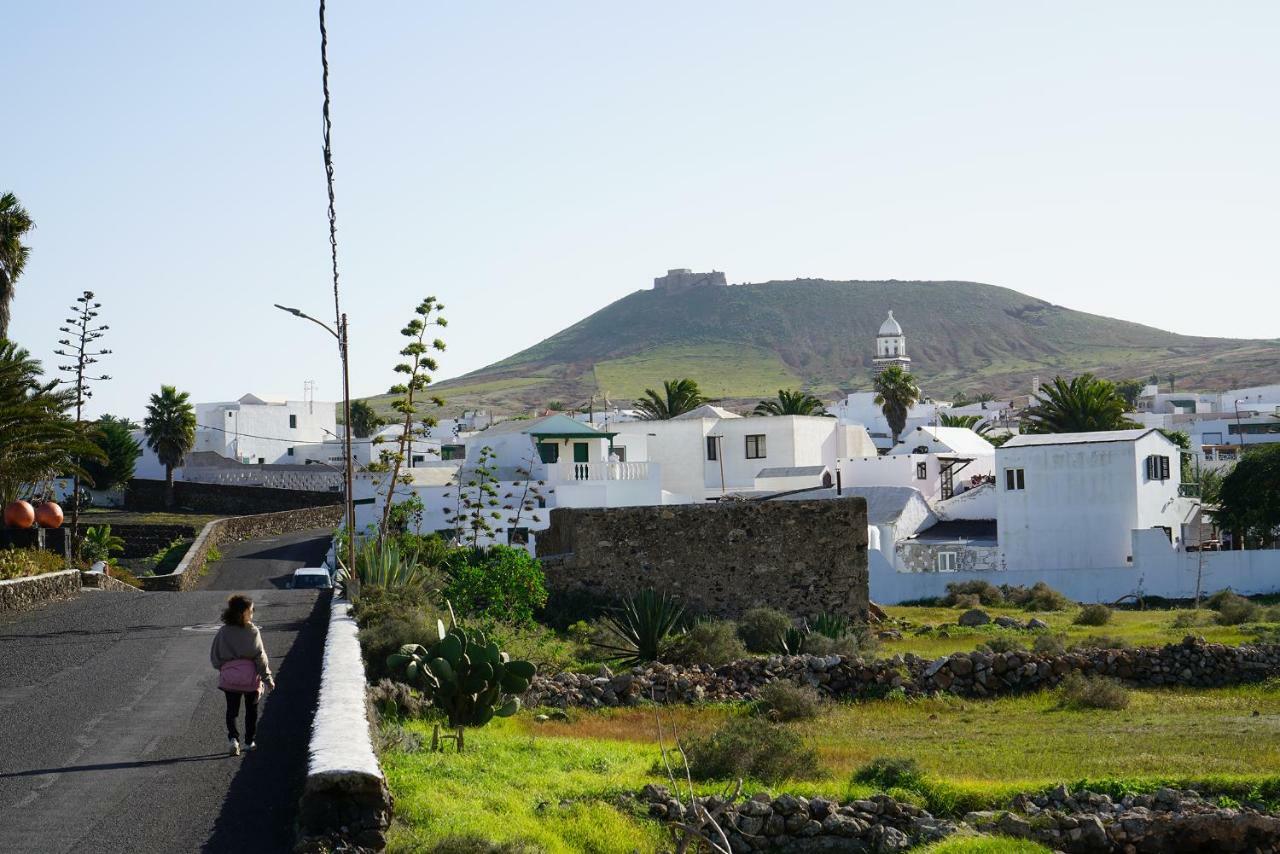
point(803, 557)
point(149, 495)
point(971, 674)
point(20, 594)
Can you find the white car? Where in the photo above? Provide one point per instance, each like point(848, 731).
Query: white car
point(310, 578)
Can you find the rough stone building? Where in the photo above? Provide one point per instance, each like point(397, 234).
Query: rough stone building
point(683, 277)
point(803, 557)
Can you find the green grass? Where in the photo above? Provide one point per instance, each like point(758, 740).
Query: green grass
point(513, 783)
point(1138, 628)
point(108, 516)
point(983, 845)
point(722, 370)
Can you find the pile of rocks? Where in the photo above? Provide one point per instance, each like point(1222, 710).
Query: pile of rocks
point(790, 823)
point(1081, 823)
point(972, 674)
point(1168, 821)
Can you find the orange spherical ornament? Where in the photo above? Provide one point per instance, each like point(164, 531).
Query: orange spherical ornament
point(19, 514)
point(49, 515)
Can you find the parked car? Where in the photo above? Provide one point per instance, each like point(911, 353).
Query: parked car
point(310, 578)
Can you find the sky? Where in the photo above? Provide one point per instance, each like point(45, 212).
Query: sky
point(528, 164)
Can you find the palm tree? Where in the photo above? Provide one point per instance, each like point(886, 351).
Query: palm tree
point(1084, 404)
point(946, 419)
point(15, 222)
point(364, 420)
point(38, 440)
point(678, 396)
point(170, 426)
point(896, 392)
point(790, 402)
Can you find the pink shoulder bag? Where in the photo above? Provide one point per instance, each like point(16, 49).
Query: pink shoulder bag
point(241, 675)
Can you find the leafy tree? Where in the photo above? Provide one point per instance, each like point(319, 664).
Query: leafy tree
point(1211, 485)
point(1084, 404)
point(896, 392)
point(1249, 497)
point(1129, 390)
point(498, 583)
point(115, 438)
point(1182, 439)
point(677, 397)
point(789, 402)
point(38, 441)
point(364, 421)
point(15, 222)
point(418, 363)
point(170, 426)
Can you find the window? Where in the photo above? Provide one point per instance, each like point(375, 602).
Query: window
point(946, 561)
point(549, 452)
point(519, 536)
point(1157, 467)
point(922, 471)
point(755, 447)
point(711, 447)
point(290, 452)
point(619, 451)
point(1014, 479)
point(261, 461)
point(293, 422)
point(453, 452)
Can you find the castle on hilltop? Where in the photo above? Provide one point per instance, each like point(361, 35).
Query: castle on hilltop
point(678, 280)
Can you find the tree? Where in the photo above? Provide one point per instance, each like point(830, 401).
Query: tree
point(1084, 404)
point(15, 222)
point(1182, 439)
point(789, 402)
point(896, 392)
point(477, 504)
point(115, 438)
point(418, 364)
point(1249, 497)
point(946, 419)
point(1129, 390)
point(170, 426)
point(677, 397)
point(81, 349)
point(364, 421)
point(38, 441)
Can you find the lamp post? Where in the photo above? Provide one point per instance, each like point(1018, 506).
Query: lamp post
point(341, 335)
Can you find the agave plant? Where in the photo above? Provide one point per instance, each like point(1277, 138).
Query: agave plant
point(833, 626)
point(381, 563)
point(794, 640)
point(640, 625)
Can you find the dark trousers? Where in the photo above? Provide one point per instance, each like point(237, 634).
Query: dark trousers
point(250, 714)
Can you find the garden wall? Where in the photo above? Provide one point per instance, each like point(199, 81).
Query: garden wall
point(19, 594)
point(187, 573)
point(803, 557)
point(149, 495)
point(1191, 663)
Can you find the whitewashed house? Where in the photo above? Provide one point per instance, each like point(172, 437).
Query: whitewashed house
point(255, 430)
point(939, 462)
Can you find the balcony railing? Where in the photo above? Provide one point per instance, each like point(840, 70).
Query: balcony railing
point(602, 471)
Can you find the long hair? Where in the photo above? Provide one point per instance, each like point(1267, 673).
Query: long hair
point(237, 611)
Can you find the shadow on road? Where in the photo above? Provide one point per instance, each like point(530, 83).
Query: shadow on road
point(314, 551)
point(114, 766)
point(259, 811)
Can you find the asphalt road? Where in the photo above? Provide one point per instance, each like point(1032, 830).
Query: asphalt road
point(112, 736)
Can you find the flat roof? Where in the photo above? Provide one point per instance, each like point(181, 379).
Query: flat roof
point(1025, 440)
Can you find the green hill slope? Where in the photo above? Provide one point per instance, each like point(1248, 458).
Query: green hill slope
point(746, 341)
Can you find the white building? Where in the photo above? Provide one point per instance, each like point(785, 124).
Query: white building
point(254, 430)
point(1221, 426)
point(938, 462)
point(1073, 500)
point(891, 346)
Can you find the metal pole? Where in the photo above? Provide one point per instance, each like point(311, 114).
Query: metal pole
point(350, 474)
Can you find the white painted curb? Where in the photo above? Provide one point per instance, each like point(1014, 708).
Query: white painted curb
point(340, 740)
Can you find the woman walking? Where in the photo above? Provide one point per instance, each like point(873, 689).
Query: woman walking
point(241, 661)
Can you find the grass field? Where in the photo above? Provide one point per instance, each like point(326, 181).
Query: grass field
point(557, 785)
point(108, 516)
point(722, 370)
point(1137, 628)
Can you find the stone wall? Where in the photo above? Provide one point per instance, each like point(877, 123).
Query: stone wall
point(803, 557)
point(20, 594)
point(101, 581)
point(1191, 663)
point(148, 496)
point(923, 557)
point(237, 528)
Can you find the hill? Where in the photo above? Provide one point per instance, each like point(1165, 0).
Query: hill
point(744, 342)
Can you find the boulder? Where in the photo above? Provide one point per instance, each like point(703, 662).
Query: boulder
point(974, 617)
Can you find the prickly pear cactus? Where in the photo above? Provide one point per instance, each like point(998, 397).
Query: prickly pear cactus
point(465, 675)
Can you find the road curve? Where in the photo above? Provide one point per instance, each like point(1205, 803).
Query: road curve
point(111, 725)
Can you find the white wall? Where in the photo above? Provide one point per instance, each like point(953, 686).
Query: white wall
point(253, 432)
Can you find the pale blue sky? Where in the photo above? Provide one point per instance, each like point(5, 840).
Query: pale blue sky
point(529, 163)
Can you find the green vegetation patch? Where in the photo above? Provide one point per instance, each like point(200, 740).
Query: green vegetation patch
point(721, 370)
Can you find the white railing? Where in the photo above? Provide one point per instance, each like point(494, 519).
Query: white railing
point(568, 471)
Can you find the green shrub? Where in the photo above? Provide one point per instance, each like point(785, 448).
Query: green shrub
point(638, 629)
point(830, 625)
point(1037, 597)
point(1100, 642)
point(1272, 614)
point(784, 700)
point(538, 644)
point(498, 583)
point(20, 563)
point(706, 642)
point(100, 544)
point(382, 638)
point(988, 594)
point(890, 773)
point(475, 844)
point(1234, 610)
point(1188, 620)
point(751, 748)
point(395, 700)
point(1001, 643)
point(760, 628)
point(1093, 615)
point(965, 601)
point(859, 643)
point(1047, 644)
point(1092, 692)
point(119, 573)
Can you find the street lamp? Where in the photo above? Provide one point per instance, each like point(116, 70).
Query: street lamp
point(341, 335)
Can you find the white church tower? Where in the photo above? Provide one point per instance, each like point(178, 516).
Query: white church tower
point(891, 346)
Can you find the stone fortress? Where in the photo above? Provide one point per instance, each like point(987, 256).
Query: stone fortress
point(678, 280)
